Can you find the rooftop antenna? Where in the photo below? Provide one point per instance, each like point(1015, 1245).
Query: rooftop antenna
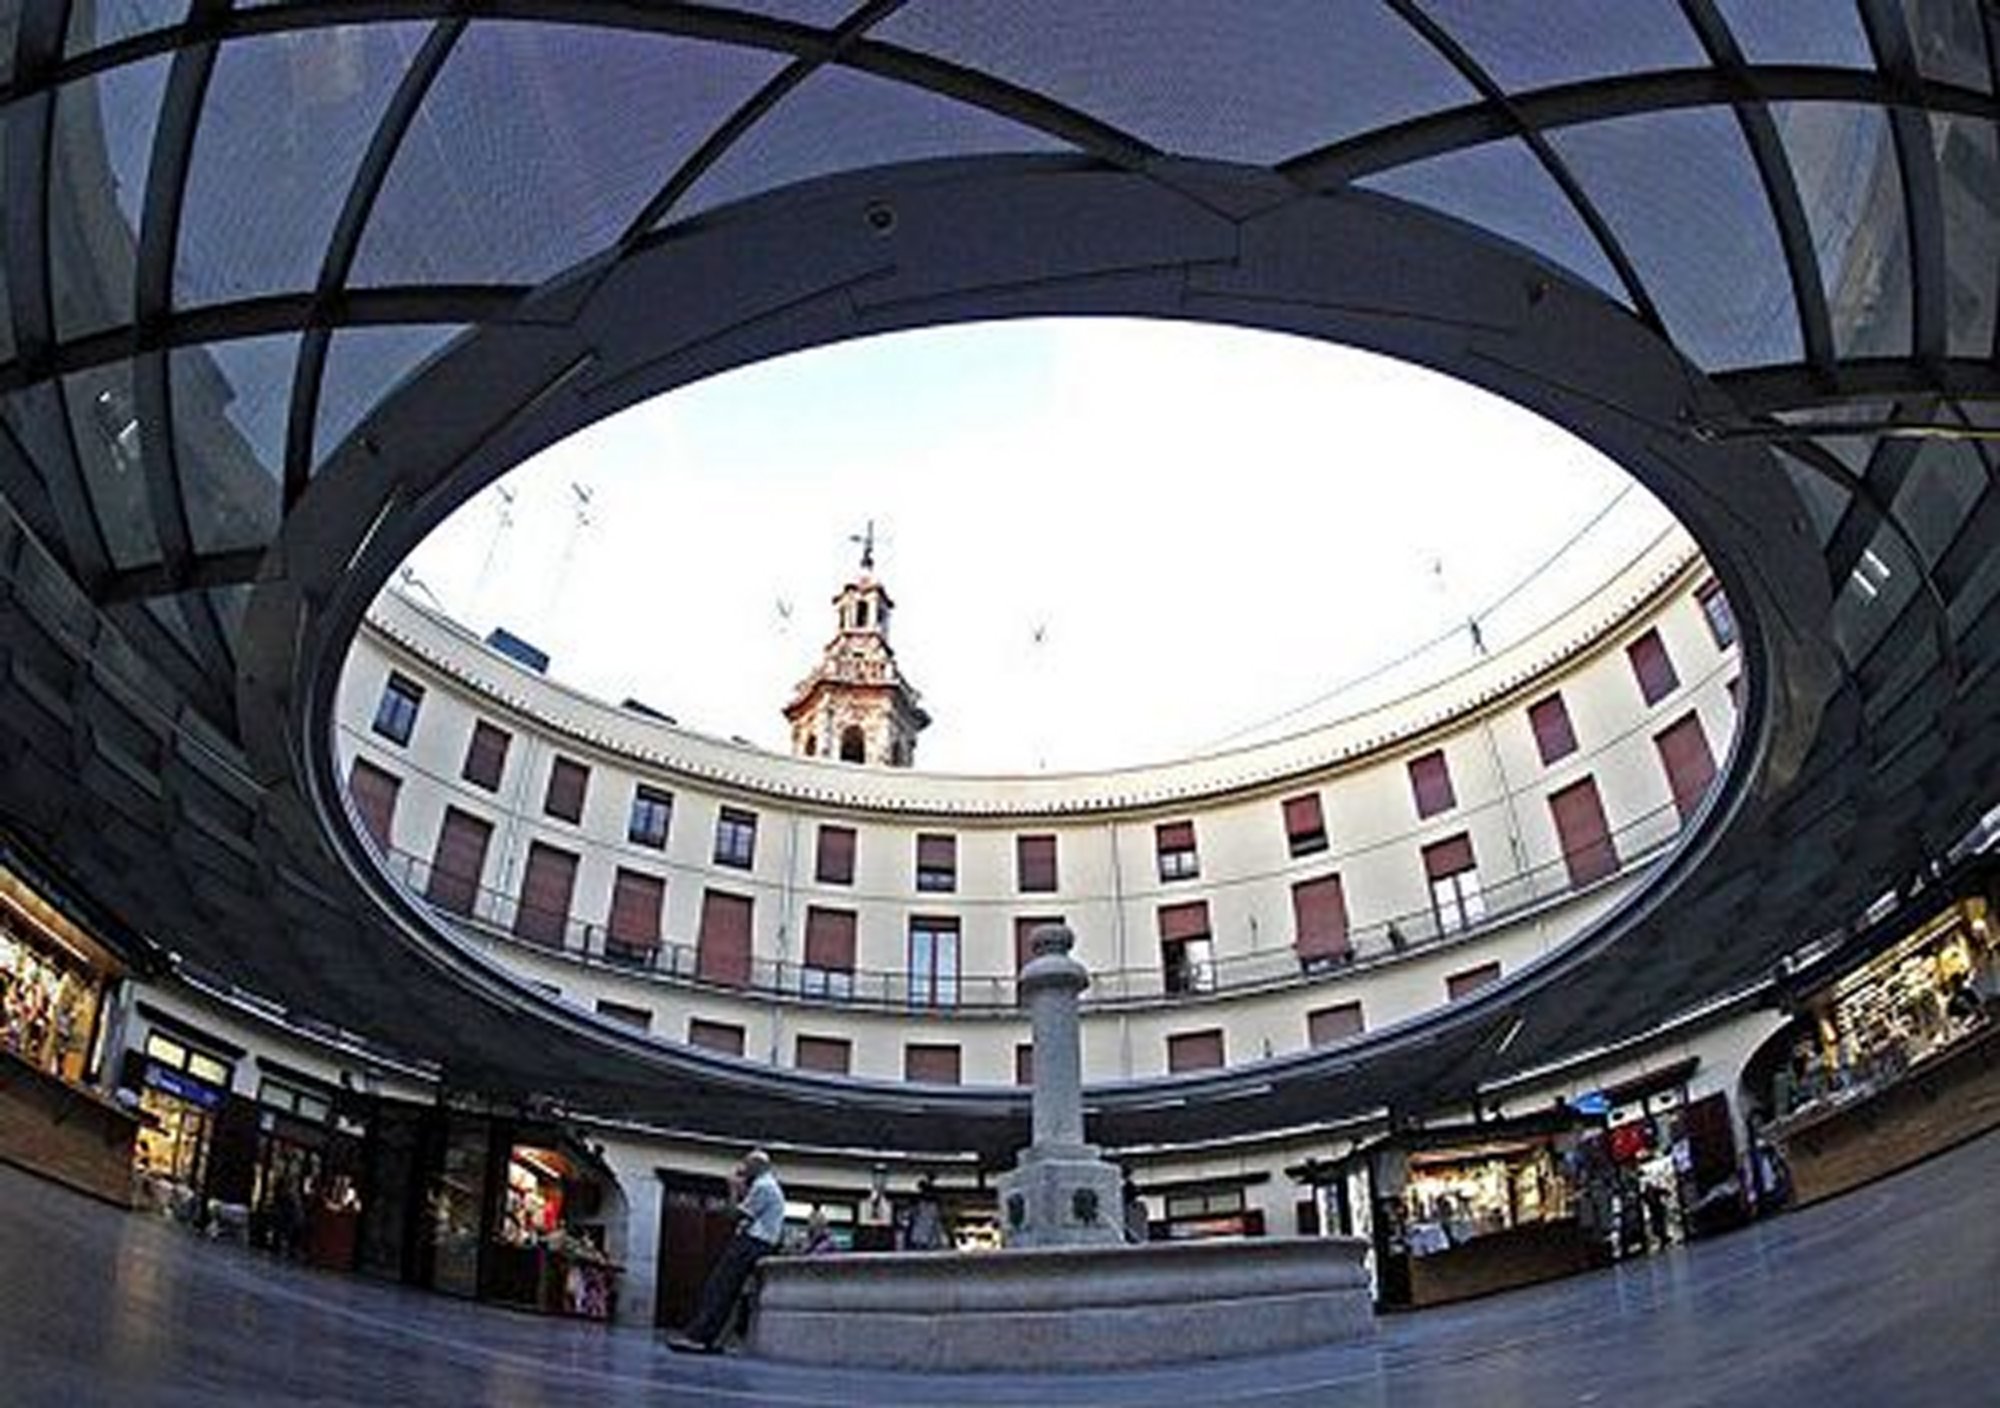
point(501, 523)
point(867, 541)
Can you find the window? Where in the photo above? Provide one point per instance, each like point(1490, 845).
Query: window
point(486, 756)
point(1554, 736)
point(638, 1018)
point(1326, 1025)
point(829, 965)
point(831, 1054)
point(1454, 878)
point(1583, 833)
point(1715, 607)
point(1195, 1051)
point(1430, 784)
point(932, 1063)
point(1035, 864)
point(853, 746)
point(457, 863)
point(1187, 954)
point(1305, 826)
point(1652, 668)
point(1175, 845)
point(934, 962)
point(546, 887)
point(1024, 1063)
point(652, 813)
point(1690, 766)
point(396, 711)
point(568, 780)
point(722, 947)
point(310, 1106)
point(1024, 936)
point(373, 791)
point(834, 864)
point(1735, 688)
point(937, 864)
point(632, 930)
point(736, 838)
point(725, 1037)
point(211, 1070)
point(1319, 911)
point(1469, 981)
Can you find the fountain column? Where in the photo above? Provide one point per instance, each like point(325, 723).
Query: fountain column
point(1060, 1193)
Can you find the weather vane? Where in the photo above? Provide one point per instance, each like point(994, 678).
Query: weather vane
point(867, 541)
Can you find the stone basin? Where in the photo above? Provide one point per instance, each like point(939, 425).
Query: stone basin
point(1063, 1307)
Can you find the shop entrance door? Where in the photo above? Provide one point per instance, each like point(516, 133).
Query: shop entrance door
point(696, 1219)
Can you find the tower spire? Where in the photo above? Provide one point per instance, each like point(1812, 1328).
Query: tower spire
point(856, 705)
point(867, 540)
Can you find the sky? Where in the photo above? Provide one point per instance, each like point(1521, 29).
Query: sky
point(1109, 541)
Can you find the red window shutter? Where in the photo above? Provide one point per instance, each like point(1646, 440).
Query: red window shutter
point(1024, 935)
point(486, 755)
point(1554, 736)
point(1195, 1051)
point(933, 1064)
point(458, 861)
point(567, 781)
point(1176, 836)
point(722, 948)
point(937, 852)
point(836, 856)
point(1690, 766)
point(1320, 909)
point(373, 791)
point(725, 1037)
point(1303, 819)
point(1430, 784)
point(1652, 667)
point(1451, 856)
point(1335, 1023)
point(636, 901)
point(1035, 862)
point(1184, 921)
point(1471, 980)
point(1583, 833)
point(831, 1054)
point(830, 938)
point(546, 886)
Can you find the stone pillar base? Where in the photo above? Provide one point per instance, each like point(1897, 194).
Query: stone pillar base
point(1062, 1196)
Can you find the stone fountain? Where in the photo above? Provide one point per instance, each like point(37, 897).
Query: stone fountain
point(1065, 1292)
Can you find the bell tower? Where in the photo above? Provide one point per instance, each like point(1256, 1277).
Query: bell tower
point(856, 706)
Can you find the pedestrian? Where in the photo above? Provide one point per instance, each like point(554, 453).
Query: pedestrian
point(926, 1233)
point(760, 1225)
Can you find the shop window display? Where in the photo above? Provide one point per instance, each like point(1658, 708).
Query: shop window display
point(181, 1090)
point(549, 1257)
point(49, 1002)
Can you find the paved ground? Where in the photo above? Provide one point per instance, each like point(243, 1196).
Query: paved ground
point(1886, 1298)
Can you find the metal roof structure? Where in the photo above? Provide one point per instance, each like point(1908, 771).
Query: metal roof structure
point(281, 284)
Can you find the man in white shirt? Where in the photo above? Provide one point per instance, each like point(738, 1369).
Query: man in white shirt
point(760, 1225)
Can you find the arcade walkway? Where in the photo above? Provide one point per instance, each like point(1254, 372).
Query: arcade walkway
point(1890, 1295)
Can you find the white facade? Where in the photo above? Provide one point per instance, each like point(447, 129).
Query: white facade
point(1253, 987)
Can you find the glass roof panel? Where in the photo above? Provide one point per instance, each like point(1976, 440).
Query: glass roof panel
point(1826, 32)
point(104, 422)
point(1503, 188)
point(1825, 500)
point(1843, 160)
point(10, 28)
point(1677, 189)
point(298, 109)
point(93, 26)
point(822, 14)
point(841, 120)
point(230, 403)
point(6, 299)
point(1968, 157)
point(1945, 483)
point(1194, 78)
point(539, 143)
point(103, 141)
point(1527, 44)
point(363, 365)
point(1950, 42)
point(1868, 603)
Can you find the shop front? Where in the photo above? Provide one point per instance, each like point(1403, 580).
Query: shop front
point(548, 1251)
point(55, 978)
point(1891, 1061)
